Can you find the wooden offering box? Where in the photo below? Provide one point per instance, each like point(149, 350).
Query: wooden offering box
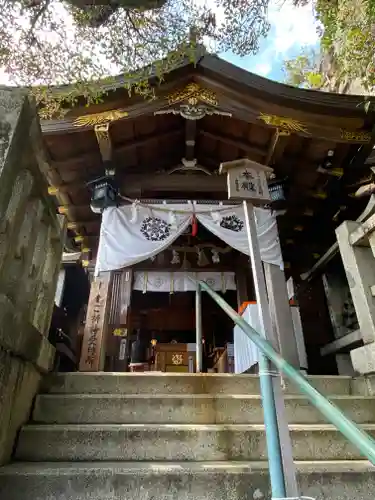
point(175, 358)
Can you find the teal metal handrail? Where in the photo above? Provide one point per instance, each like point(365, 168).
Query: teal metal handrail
point(360, 439)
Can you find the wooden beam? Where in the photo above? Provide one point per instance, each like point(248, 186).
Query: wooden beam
point(91, 160)
point(87, 159)
point(190, 136)
point(245, 146)
point(104, 141)
point(163, 182)
point(178, 182)
point(139, 143)
point(89, 225)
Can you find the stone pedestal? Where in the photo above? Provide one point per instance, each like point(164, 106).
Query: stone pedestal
point(299, 338)
point(363, 359)
point(359, 265)
point(345, 365)
point(364, 385)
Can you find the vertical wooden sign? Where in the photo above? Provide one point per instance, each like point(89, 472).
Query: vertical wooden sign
point(123, 344)
point(94, 337)
point(119, 319)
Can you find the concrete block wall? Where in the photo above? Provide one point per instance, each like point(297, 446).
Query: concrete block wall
point(31, 244)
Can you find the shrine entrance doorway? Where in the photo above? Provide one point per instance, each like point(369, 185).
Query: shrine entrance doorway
point(164, 327)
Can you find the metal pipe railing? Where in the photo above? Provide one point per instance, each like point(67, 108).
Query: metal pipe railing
point(363, 442)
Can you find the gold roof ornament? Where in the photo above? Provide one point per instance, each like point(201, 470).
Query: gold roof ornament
point(193, 93)
point(100, 118)
point(285, 125)
point(355, 135)
point(193, 102)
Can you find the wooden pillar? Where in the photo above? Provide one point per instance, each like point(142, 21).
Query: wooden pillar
point(242, 291)
point(281, 315)
point(120, 318)
point(94, 337)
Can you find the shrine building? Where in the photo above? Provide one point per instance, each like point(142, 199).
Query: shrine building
point(148, 214)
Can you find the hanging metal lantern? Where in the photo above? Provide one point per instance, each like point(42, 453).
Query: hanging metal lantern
point(277, 190)
point(103, 194)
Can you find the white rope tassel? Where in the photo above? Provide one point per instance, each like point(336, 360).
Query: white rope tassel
point(172, 220)
point(216, 217)
point(215, 256)
point(134, 217)
point(175, 257)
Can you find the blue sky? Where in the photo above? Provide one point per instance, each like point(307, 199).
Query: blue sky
point(292, 29)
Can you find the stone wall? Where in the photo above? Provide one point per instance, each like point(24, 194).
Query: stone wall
point(31, 243)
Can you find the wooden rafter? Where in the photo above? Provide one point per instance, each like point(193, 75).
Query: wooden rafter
point(245, 146)
point(88, 159)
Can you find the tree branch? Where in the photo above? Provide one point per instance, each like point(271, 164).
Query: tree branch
point(36, 17)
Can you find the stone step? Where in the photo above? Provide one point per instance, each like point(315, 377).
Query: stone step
point(185, 409)
point(181, 383)
point(169, 442)
point(340, 480)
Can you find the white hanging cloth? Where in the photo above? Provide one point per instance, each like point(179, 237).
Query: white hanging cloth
point(126, 240)
point(230, 227)
point(246, 353)
point(171, 282)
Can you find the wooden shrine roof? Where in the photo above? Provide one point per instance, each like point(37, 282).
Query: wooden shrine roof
point(289, 129)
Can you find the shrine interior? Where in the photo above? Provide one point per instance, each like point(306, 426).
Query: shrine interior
point(168, 316)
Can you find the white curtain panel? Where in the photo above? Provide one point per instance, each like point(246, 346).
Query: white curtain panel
point(129, 236)
point(171, 282)
point(229, 226)
point(126, 240)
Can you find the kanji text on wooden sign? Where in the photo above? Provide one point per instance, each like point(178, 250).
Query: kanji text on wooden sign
point(247, 180)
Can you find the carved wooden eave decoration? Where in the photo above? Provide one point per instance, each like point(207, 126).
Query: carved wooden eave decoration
point(105, 117)
point(193, 102)
point(284, 125)
point(101, 123)
point(357, 136)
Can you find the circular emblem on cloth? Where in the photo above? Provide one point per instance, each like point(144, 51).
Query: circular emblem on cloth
point(155, 229)
point(232, 222)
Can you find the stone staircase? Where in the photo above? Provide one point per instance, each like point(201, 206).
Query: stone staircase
point(179, 436)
